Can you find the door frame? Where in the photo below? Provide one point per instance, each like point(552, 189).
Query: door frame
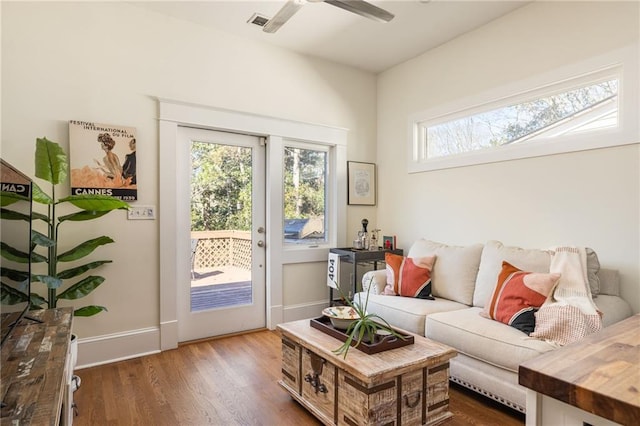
point(175, 113)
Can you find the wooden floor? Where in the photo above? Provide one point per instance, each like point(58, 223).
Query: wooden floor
point(227, 381)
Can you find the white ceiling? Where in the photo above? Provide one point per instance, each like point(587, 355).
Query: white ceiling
point(328, 32)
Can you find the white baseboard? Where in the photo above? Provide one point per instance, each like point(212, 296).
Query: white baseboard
point(275, 315)
point(168, 335)
point(110, 348)
point(303, 311)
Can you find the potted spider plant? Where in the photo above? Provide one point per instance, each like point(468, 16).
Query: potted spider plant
point(365, 327)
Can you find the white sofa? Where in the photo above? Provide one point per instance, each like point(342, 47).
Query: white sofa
point(463, 278)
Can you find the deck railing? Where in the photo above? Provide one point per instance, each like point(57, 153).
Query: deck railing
point(222, 248)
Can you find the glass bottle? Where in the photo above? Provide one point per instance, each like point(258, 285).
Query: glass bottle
point(373, 241)
point(364, 235)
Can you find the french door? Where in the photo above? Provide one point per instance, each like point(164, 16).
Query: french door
point(221, 210)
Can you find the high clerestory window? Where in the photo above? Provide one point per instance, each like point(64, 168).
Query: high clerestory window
point(592, 110)
point(587, 108)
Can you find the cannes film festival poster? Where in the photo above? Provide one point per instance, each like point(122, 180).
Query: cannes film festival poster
point(103, 160)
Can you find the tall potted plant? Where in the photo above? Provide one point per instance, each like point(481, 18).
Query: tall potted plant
point(52, 166)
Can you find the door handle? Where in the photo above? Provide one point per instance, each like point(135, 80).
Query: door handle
point(261, 230)
point(260, 243)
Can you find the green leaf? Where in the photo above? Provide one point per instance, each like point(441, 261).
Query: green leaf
point(104, 203)
point(51, 161)
point(84, 249)
point(7, 214)
point(40, 216)
point(37, 300)
point(74, 272)
point(88, 311)
point(48, 280)
point(83, 215)
point(81, 288)
point(41, 239)
point(38, 258)
point(39, 196)
point(11, 296)
point(11, 253)
point(13, 274)
point(360, 332)
point(7, 198)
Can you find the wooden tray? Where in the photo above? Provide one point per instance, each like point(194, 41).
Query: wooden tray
point(389, 342)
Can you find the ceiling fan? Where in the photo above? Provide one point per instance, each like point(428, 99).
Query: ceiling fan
point(359, 7)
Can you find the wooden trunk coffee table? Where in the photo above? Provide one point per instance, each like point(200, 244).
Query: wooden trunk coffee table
point(403, 386)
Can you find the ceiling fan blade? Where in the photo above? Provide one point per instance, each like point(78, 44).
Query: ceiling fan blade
point(362, 8)
point(287, 11)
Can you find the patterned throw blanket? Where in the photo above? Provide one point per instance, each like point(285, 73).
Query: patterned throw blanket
point(569, 313)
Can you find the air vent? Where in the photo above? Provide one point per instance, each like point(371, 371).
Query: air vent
point(258, 19)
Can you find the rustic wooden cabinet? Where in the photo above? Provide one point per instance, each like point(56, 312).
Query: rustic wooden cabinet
point(403, 386)
point(36, 363)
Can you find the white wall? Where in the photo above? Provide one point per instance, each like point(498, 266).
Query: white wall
point(105, 62)
point(586, 198)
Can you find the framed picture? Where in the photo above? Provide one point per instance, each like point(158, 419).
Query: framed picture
point(103, 159)
point(388, 242)
point(362, 183)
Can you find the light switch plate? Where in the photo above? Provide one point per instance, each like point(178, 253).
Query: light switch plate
point(141, 213)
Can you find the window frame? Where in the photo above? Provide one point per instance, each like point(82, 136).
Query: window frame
point(621, 64)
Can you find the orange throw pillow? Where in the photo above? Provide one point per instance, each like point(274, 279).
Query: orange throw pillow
point(518, 295)
point(410, 277)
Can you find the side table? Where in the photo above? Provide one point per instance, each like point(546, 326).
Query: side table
point(592, 381)
point(355, 256)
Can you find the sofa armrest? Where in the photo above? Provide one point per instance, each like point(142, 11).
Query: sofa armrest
point(377, 279)
point(613, 309)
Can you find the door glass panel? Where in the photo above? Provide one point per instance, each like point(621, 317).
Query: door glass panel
point(220, 226)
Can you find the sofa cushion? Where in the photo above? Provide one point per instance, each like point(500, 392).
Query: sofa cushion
point(454, 271)
point(484, 339)
point(493, 254)
point(407, 313)
point(518, 295)
point(593, 267)
point(407, 276)
point(609, 280)
point(534, 260)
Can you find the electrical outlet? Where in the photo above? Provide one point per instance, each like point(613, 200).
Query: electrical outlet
point(141, 213)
